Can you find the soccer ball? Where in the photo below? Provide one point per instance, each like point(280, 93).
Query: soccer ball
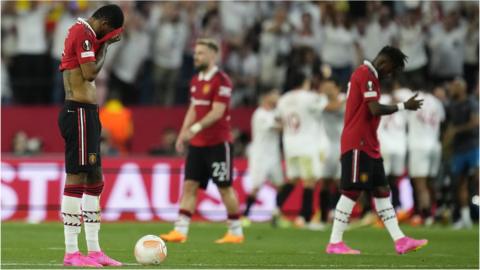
point(150, 249)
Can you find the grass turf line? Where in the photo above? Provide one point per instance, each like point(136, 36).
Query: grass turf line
point(41, 246)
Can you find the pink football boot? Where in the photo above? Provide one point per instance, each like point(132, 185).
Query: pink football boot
point(407, 244)
point(77, 259)
point(101, 258)
point(341, 248)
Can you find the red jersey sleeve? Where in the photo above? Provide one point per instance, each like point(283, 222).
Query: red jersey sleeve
point(368, 87)
point(224, 90)
point(84, 48)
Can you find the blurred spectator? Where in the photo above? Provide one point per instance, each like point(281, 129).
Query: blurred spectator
point(167, 144)
point(31, 64)
point(240, 142)
point(118, 123)
point(22, 145)
point(308, 34)
point(9, 32)
point(68, 18)
point(131, 55)
point(106, 146)
point(275, 44)
point(244, 66)
point(236, 17)
point(380, 31)
point(462, 137)
point(471, 48)
point(411, 40)
point(169, 40)
point(5, 91)
point(447, 45)
point(339, 45)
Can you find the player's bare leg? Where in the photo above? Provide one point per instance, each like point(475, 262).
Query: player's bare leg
point(423, 199)
point(235, 232)
point(72, 220)
point(187, 207)
point(386, 212)
point(91, 218)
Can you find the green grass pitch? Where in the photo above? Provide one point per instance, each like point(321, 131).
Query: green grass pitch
point(41, 246)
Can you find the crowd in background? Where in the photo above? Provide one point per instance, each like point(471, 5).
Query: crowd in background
point(262, 43)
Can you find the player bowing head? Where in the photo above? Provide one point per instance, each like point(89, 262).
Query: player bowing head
point(205, 54)
point(106, 19)
point(361, 160)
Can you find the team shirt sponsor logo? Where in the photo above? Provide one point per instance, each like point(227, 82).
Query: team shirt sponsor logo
point(87, 54)
point(203, 102)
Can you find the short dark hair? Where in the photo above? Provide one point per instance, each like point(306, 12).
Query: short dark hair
point(111, 13)
point(297, 79)
point(395, 55)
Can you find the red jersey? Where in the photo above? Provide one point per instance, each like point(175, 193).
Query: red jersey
point(360, 125)
point(80, 46)
point(214, 86)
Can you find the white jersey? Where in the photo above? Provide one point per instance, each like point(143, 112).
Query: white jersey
point(303, 131)
point(333, 122)
point(392, 131)
point(265, 138)
point(424, 124)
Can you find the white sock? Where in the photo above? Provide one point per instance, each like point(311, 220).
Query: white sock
point(182, 224)
point(91, 218)
point(386, 212)
point(342, 214)
point(465, 215)
point(235, 227)
point(72, 222)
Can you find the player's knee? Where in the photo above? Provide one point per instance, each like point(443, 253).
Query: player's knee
point(225, 191)
point(94, 189)
point(351, 194)
point(381, 192)
point(95, 176)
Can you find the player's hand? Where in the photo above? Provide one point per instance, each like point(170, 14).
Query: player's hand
point(114, 39)
point(180, 144)
point(413, 104)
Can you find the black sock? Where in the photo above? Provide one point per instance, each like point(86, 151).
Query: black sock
point(250, 202)
point(324, 204)
point(395, 194)
point(283, 194)
point(307, 201)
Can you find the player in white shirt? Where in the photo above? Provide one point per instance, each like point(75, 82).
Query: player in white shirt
point(264, 156)
point(333, 123)
point(392, 134)
point(424, 150)
point(305, 143)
